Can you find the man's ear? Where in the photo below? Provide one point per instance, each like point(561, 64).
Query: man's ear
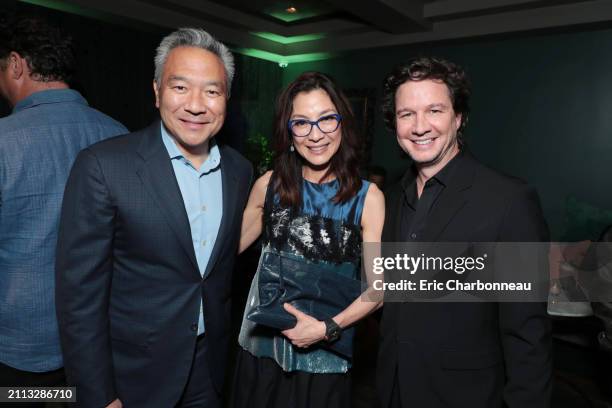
point(156, 91)
point(17, 65)
point(458, 120)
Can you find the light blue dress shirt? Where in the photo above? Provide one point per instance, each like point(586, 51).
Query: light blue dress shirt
point(38, 144)
point(203, 198)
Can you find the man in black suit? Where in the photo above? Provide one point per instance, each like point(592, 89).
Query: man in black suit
point(456, 354)
point(149, 231)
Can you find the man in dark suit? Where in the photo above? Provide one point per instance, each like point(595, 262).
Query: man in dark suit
point(149, 231)
point(456, 354)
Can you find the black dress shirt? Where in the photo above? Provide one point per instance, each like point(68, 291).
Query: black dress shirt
point(416, 209)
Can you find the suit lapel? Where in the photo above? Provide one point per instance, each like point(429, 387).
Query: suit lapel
point(229, 183)
point(159, 180)
point(399, 208)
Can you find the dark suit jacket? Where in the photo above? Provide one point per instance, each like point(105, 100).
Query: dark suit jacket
point(128, 286)
point(468, 354)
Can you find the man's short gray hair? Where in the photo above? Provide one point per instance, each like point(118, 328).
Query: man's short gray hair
point(193, 37)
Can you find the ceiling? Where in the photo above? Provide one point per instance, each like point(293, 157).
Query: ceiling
point(320, 29)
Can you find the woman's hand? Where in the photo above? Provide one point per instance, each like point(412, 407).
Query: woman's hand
point(307, 331)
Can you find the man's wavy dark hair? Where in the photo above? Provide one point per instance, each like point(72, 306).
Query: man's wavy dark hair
point(437, 69)
point(49, 53)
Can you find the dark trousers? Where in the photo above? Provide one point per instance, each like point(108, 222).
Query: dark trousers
point(200, 391)
point(12, 377)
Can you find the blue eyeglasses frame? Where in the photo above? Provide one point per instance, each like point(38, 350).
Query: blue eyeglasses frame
point(312, 123)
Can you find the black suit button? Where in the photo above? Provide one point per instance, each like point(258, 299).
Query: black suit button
point(413, 235)
point(194, 327)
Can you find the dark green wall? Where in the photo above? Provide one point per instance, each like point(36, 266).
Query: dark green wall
point(256, 85)
point(541, 110)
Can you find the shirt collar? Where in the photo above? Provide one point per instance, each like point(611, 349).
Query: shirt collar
point(212, 161)
point(446, 173)
point(443, 177)
point(49, 96)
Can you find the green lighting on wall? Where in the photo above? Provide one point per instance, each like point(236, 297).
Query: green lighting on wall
point(283, 60)
point(288, 40)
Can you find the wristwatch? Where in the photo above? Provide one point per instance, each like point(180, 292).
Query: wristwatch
point(332, 330)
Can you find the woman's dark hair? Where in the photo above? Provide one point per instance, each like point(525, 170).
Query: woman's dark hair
point(419, 69)
point(48, 52)
point(288, 165)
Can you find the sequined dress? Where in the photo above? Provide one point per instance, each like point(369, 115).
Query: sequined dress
point(321, 232)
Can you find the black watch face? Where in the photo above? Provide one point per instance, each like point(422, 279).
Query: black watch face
point(335, 333)
point(332, 330)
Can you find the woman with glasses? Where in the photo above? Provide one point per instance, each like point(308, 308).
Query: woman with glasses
point(313, 206)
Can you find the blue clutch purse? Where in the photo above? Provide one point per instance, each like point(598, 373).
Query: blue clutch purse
point(321, 290)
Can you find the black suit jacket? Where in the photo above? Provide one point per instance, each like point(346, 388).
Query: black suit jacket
point(128, 286)
point(468, 354)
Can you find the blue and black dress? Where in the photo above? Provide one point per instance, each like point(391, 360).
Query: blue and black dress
point(270, 371)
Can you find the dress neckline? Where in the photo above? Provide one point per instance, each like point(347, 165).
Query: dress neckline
point(321, 184)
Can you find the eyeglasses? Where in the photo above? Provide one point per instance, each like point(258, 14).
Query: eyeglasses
point(303, 127)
